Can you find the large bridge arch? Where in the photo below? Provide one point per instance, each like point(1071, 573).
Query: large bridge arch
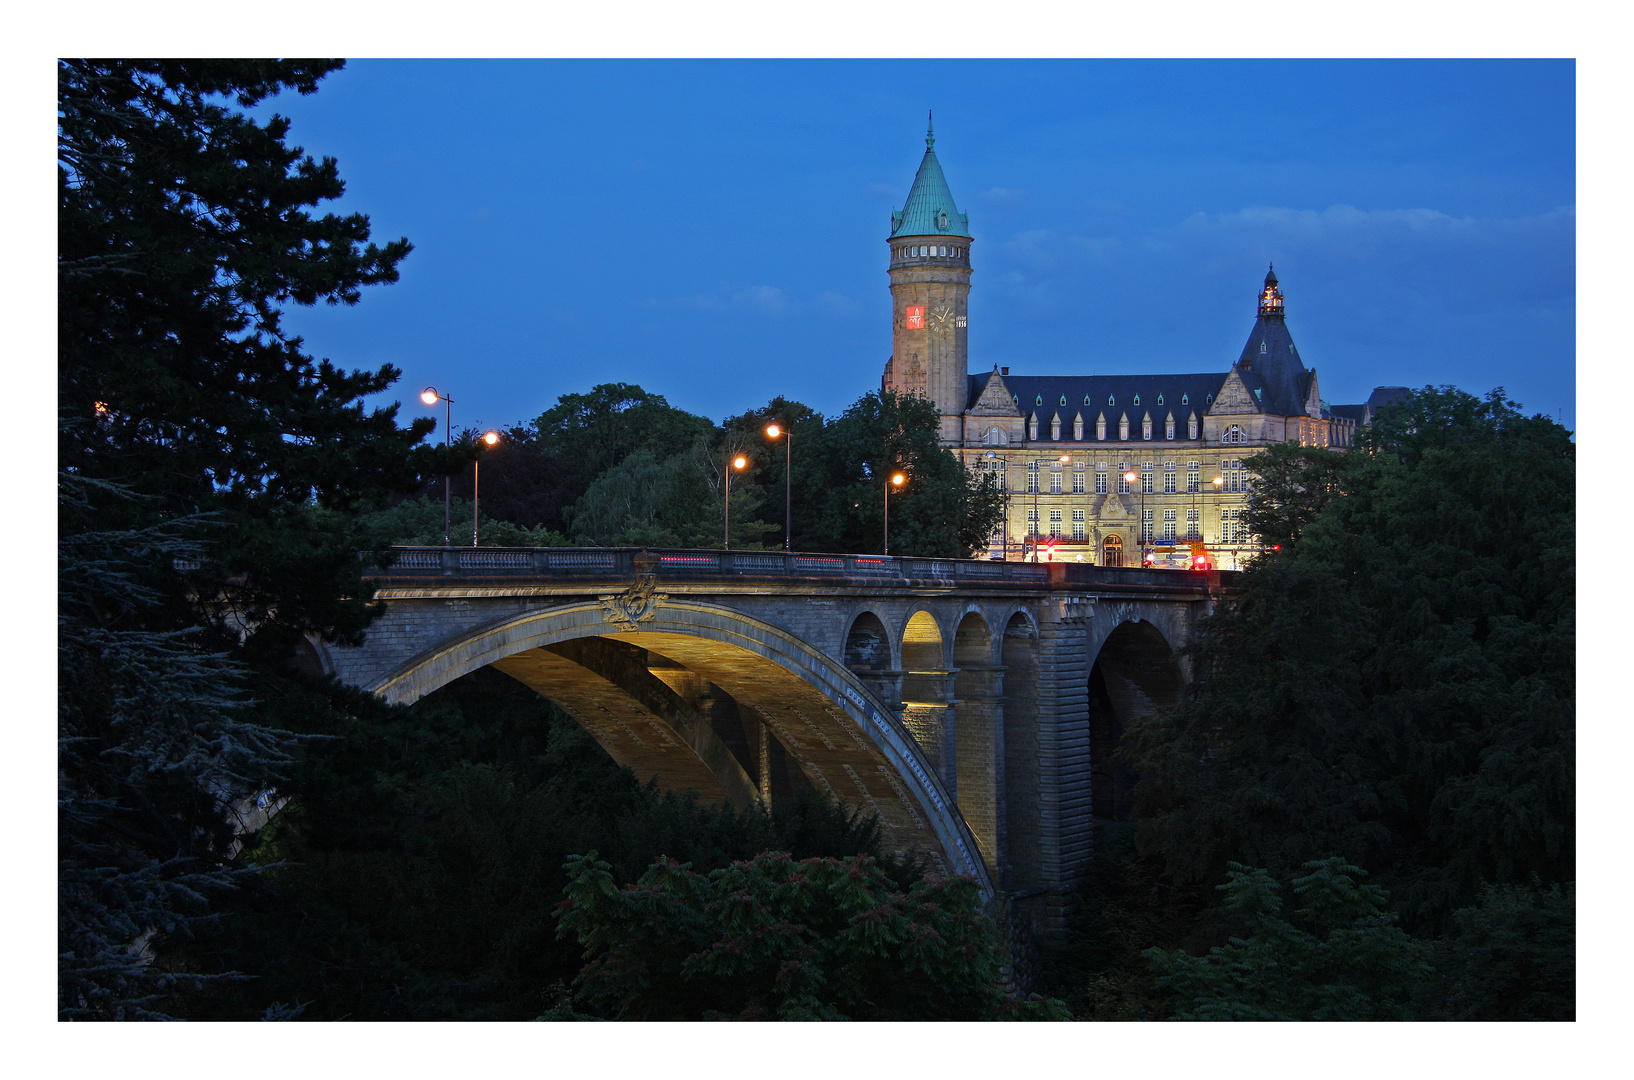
point(826, 718)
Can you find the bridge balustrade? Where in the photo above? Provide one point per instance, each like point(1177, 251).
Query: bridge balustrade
point(677, 562)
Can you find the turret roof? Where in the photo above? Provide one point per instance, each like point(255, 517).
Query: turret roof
point(929, 210)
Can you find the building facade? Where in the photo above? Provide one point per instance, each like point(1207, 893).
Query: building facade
point(1106, 469)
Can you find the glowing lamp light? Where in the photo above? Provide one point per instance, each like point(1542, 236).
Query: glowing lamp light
point(773, 431)
point(898, 479)
point(491, 438)
point(429, 396)
point(1130, 477)
point(739, 462)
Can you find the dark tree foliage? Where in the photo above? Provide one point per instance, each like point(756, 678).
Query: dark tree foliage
point(1340, 958)
point(593, 432)
point(198, 445)
point(414, 873)
point(183, 228)
point(1293, 484)
point(778, 938)
point(523, 481)
point(1512, 956)
point(1399, 684)
point(943, 510)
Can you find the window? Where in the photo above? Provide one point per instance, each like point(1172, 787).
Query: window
point(1032, 516)
point(1063, 401)
point(1168, 524)
point(1078, 479)
point(1146, 524)
point(1110, 400)
point(1032, 477)
point(1191, 427)
point(1078, 525)
point(1146, 426)
point(1039, 400)
point(1100, 478)
point(1086, 399)
point(1191, 525)
point(1100, 427)
point(1055, 521)
point(1055, 428)
point(1137, 399)
point(1168, 478)
point(1168, 427)
point(1123, 428)
point(1123, 484)
point(1234, 434)
point(1055, 479)
point(1078, 427)
point(1146, 477)
point(1233, 529)
point(1192, 478)
point(1185, 399)
point(1112, 551)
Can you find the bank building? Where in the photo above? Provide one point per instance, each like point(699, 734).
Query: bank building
point(1106, 469)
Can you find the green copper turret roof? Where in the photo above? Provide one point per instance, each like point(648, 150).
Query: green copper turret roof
point(929, 210)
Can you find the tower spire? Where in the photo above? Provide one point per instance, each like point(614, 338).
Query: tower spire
point(1271, 295)
point(930, 128)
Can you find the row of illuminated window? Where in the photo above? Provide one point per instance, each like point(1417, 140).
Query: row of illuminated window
point(932, 251)
point(1232, 478)
point(1233, 525)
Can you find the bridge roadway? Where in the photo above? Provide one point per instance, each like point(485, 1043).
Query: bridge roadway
point(953, 698)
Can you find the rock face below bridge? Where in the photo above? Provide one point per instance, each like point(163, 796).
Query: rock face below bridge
point(951, 698)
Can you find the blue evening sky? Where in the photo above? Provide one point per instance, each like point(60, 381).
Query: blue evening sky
point(715, 230)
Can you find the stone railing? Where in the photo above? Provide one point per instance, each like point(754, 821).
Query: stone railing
point(673, 563)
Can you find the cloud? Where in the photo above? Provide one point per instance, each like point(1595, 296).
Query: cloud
point(764, 298)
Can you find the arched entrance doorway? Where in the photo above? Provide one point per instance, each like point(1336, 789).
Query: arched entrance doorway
point(1112, 551)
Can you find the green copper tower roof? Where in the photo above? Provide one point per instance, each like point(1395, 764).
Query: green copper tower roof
point(929, 210)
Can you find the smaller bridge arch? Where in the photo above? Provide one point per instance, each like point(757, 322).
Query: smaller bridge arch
point(1135, 672)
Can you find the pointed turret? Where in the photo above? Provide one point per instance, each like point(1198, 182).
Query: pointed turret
point(929, 210)
point(1270, 363)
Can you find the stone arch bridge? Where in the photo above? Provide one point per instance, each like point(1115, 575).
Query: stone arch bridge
point(972, 705)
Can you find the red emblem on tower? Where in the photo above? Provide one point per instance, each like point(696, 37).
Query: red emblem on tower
point(916, 317)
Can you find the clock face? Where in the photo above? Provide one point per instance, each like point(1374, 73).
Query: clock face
point(943, 317)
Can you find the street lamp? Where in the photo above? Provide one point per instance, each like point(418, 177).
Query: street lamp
point(1129, 478)
point(1038, 482)
point(772, 432)
point(1219, 486)
point(430, 396)
point(490, 438)
point(737, 462)
point(896, 480)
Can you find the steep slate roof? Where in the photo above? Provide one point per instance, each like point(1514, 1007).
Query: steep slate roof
point(1196, 390)
point(1270, 363)
point(928, 199)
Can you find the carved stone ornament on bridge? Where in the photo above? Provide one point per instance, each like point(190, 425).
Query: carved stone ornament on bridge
point(639, 602)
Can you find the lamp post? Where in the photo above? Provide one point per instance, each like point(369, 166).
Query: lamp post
point(1219, 486)
point(1129, 478)
point(737, 462)
point(772, 432)
point(1038, 482)
point(490, 438)
point(895, 480)
point(430, 396)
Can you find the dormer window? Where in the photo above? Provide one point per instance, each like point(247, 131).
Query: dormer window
point(1256, 393)
point(1160, 399)
point(1183, 399)
point(1063, 401)
point(1262, 348)
point(941, 220)
point(1137, 399)
point(1086, 399)
point(1111, 400)
point(1039, 400)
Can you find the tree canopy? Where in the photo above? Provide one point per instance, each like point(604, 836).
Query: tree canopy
point(1398, 684)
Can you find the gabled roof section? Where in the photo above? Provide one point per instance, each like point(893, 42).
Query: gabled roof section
point(929, 210)
point(989, 396)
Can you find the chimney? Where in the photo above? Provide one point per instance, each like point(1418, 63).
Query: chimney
point(1004, 371)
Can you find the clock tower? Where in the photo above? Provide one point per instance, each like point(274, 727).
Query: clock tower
point(930, 289)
